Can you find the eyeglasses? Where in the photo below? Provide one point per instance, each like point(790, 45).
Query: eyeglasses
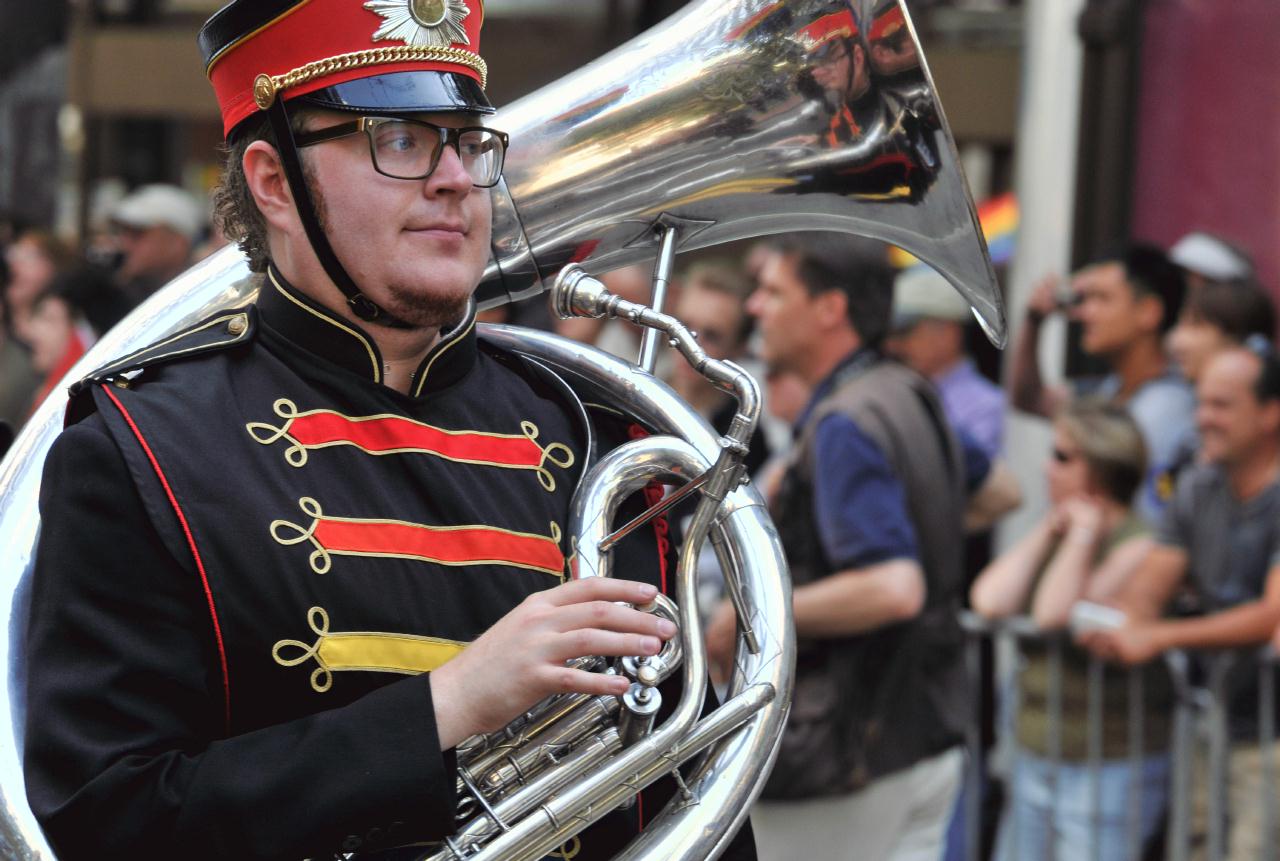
point(410, 149)
point(832, 52)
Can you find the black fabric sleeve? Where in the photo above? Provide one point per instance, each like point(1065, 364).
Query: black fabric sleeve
point(125, 754)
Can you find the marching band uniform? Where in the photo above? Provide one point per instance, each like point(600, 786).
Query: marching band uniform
point(254, 553)
point(245, 547)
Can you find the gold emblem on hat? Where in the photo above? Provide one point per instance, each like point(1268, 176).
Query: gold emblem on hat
point(431, 23)
point(264, 91)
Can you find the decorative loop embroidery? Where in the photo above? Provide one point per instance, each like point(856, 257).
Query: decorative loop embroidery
point(557, 453)
point(320, 559)
point(296, 454)
point(321, 676)
point(389, 434)
point(397, 539)
point(362, 651)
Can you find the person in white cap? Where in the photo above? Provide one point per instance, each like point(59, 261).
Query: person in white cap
point(928, 331)
point(156, 226)
point(1206, 258)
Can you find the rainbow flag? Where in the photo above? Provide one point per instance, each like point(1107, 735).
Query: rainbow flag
point(999, 219)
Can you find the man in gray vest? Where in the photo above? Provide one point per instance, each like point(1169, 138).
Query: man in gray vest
point(870, 513)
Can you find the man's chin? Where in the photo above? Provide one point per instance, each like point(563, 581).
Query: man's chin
point(1098, 348)
point(428, 308)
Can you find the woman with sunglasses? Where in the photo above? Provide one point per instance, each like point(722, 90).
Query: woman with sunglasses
point(1083, 550)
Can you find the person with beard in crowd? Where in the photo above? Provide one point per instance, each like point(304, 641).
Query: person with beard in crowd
point(1220, 539)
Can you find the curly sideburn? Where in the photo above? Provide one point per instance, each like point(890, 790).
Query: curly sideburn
point(235, 212)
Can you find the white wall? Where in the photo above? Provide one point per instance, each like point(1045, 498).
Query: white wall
point(1045, 184)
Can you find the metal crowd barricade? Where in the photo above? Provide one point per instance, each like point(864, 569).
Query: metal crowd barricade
point(1200, 722)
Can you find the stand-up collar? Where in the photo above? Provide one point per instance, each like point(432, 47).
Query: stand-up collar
point(317, 330)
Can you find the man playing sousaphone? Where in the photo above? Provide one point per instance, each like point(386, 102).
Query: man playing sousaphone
point(838, 64)
point(870, 79)
point(295, 554)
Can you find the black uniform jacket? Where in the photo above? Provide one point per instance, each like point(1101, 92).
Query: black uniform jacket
point(252, 555)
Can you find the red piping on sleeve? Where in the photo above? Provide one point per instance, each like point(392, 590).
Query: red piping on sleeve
point(191, 542)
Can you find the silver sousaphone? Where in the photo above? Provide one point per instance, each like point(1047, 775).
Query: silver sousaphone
point(732, 119)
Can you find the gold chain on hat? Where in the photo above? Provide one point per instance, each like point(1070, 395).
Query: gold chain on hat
point(267, 87)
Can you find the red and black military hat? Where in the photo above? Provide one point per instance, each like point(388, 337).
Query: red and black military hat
point(381, 57)
point(368, 56)
point(821, 32)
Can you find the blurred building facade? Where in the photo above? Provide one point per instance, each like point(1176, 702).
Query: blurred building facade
point(109, 94)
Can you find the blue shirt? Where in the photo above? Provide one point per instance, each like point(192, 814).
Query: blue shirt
point(860, 503)
point(1164, 410)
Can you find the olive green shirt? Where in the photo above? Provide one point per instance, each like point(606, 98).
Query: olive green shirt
point(1033, 716)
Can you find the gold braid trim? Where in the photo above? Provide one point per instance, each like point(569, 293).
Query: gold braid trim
point(267, 87)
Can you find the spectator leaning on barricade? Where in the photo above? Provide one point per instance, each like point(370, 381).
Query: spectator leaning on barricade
point(1085, 548)
point(1124, 303)
point(870, 513)
point(1221, 537)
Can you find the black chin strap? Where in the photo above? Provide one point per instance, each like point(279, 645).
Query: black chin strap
point(364, 307)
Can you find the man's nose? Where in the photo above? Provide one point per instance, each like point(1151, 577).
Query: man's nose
point(450, 174)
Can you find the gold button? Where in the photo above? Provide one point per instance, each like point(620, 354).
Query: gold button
point(122, 384)
point(236, 325)
point(264, 91)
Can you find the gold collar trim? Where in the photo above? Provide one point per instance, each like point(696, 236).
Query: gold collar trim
point(375, 365)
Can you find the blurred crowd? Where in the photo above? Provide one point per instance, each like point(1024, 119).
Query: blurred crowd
point(57, 299)
point(1162, 533)
point(885, 462)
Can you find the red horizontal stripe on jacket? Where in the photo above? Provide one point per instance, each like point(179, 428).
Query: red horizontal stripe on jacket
point(396, 434)
point(464, 545)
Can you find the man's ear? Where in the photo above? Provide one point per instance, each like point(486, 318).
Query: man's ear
point(265, 177)
point(1150, 312)
point(830, 308)
point(1270, 416)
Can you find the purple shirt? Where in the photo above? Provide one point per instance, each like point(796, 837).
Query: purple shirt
point(974, 404)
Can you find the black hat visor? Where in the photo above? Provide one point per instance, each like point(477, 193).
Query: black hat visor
point(403, 93)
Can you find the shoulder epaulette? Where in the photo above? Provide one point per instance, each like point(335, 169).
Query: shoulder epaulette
point(222, 330)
